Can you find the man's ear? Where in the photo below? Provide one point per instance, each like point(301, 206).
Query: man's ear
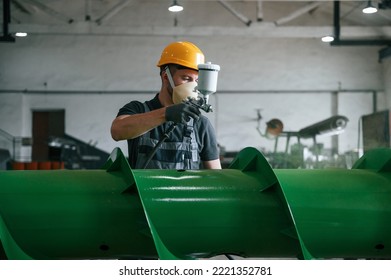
point(165, 78)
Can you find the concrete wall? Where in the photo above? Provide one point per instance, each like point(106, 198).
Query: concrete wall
point(289, 79)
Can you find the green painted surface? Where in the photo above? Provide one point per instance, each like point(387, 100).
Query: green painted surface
point(248, 210)
point(63, 214)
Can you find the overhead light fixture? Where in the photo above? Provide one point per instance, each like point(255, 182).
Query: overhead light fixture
point(369, 9)
point(327, 39)
point(20, 34)
point(175, 7)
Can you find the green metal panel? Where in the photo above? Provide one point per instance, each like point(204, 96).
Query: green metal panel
point(202, 213)
point(342, 213)
point(63, 214)
point(206, 213)
point(247, 209)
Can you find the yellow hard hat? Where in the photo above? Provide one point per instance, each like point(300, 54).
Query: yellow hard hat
point(182, 53)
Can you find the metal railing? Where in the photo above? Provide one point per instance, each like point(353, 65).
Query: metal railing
point(14, 145)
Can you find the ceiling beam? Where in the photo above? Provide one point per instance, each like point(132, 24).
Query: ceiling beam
point(299, 12)
point(257, 30)
point(23, 7)
point(113, 11)
point(384, 53)
point(87, 10)
point(49, 11)
point(259, 10)
point(239, 15)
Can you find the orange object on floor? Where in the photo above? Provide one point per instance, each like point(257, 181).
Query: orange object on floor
point(16, 165)
point(57, 165)
point(44, 165)
point(33, 165)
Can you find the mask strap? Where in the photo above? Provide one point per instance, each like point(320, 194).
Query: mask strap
point(167, 69)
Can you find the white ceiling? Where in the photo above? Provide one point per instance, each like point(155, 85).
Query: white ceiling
point(255, 18)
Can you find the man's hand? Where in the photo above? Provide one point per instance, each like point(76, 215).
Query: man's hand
point(181, 113)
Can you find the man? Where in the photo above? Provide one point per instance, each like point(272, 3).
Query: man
point(189, 138)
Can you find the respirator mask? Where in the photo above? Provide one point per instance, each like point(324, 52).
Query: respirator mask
point(183, 91)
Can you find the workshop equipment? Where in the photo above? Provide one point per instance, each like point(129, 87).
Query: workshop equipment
point(247, 210)
point(331, 126)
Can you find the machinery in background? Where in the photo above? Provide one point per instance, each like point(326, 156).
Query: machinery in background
point(5, 158)
point(376, 130)
point(296, 158)
point(75, 153)
point(248, 209)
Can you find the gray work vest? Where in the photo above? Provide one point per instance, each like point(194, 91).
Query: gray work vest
point(170, 155)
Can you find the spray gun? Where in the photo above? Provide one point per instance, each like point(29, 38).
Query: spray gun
point(207, 85)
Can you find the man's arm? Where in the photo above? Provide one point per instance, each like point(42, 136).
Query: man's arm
point(131, 126)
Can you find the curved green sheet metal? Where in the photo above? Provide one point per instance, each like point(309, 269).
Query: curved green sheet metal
point(342, 213)
point(247, 209)
point(63, 214)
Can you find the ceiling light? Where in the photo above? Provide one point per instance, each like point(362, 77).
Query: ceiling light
point(175, 7)
point(327, 39)
point(369, 9)
point(20, 34)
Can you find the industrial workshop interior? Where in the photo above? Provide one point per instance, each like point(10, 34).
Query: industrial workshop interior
point(300, 104)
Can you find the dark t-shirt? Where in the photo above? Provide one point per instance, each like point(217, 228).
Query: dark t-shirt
point(204, 132)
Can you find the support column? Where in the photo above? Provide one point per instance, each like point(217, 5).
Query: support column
point(334, 112)
point(386, 62)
